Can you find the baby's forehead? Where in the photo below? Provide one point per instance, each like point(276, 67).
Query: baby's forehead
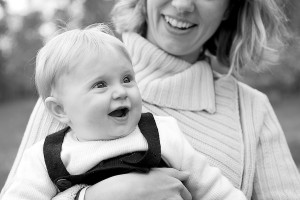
point(107, 43)
point(98, 48)
point(105, 51)
point(116, 44)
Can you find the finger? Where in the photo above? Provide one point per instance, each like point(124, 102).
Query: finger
point(185, 194)
point(177, 197)
point(180, 175)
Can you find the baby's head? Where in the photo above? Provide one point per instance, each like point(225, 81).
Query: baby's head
point(86, 80)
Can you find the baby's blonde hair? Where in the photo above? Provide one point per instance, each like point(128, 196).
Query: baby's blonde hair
point(67, 49)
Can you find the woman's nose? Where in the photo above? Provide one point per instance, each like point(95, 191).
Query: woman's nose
point(183, 5)
point(119, 92)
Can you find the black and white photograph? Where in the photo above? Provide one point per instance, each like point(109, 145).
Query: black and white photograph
point(149, 99)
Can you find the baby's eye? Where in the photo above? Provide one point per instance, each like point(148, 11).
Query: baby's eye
point(100, 84)
point(127, 79)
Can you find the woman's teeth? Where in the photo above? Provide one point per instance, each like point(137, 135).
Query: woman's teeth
point(178, 24)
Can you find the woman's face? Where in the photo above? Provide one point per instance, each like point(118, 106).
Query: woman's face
point(181, 27)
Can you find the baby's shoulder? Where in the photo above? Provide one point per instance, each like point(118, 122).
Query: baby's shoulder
point(166, 124)
point(36, 149)
point(168, 128)
point(164, 120)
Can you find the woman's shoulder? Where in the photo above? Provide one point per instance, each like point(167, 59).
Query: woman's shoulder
point(247, 89)
point(242, 89)
point(251, 95)
point(250, 100)
point(253, 105)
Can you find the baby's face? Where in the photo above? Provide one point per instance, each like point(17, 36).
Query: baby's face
point(101, 97)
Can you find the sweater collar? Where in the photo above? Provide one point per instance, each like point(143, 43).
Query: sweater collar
point(167, 81)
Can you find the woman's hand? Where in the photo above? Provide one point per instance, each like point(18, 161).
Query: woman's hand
point(158, 184)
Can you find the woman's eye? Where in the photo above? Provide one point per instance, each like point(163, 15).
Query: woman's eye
point(127, 79)
point(100, 84)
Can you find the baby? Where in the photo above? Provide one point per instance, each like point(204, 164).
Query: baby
point(86, 80)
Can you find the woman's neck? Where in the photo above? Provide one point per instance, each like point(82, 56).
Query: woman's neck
point(168, 81)
point(190, 58)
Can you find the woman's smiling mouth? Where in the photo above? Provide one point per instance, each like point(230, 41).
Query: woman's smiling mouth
point(178, 24)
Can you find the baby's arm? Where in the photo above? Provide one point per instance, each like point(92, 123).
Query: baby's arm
point(31, 180)
point(205, 182)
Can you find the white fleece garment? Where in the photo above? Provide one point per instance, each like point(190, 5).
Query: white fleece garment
point(204, 183)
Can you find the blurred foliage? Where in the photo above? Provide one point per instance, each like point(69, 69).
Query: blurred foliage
point(282, 79)
point(20, 63)
point(97, 11)
point(3, 31)
point(21, 36)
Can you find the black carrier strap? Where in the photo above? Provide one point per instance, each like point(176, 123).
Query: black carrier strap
point(137, 161)
point(149, 130)
point(51, 149)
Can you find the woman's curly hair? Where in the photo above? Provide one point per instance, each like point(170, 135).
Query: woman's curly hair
point(253, 35)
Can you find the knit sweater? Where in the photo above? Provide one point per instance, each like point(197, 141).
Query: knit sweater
point(232, 124)
point(205, 182)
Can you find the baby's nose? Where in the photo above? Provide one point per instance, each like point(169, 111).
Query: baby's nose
point(119, 92)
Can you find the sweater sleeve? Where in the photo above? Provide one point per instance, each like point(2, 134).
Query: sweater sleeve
point(40, 124)
point(31, 180)
point(205, 182)
point(276, 175)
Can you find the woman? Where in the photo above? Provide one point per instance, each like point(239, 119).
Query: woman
point(171, 42)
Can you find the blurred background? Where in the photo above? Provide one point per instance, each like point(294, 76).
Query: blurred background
point(26, 24)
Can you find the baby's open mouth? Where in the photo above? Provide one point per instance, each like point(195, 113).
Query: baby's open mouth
point(120, 112)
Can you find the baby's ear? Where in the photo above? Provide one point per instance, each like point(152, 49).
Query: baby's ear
point(56, 109)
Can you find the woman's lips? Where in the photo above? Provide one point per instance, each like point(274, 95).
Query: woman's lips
point(177, 23)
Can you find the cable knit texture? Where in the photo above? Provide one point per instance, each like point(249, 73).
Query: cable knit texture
point(233, 125)
point(216, 132)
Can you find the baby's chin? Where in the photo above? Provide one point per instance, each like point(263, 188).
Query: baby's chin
point(118, 136)
point(122, 134)
point(103, 136)
point(109, 137)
